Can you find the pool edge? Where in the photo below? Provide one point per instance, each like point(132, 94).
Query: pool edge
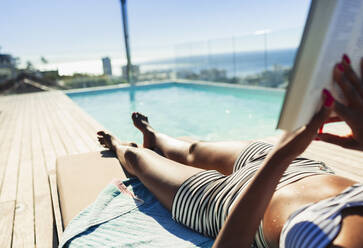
point(177, 81)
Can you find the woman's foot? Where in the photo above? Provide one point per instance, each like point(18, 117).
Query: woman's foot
point(141, 122)
point(111, 142)
point(120, 148)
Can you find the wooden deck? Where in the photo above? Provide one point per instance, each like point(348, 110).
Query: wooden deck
point(36, 129)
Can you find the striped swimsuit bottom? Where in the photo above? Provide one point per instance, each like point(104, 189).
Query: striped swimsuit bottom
point(203, 201)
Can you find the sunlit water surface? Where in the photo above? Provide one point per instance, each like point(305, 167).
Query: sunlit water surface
point(201, 111)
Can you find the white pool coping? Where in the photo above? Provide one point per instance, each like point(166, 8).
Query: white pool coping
point(181, 81)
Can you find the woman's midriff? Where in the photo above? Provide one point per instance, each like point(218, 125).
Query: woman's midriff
point(293, 196)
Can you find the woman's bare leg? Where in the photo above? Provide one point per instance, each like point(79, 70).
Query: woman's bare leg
point(206, 155)
point(161, 176)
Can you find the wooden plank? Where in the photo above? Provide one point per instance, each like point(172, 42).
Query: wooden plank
point(74, 130)
point(74, 119)
point(23, 233)
point(7, 215)
point(53, 142)
point(56, 205)
point(326, 154)
point(43, 213)
point(345, 155)
point(46, 133)
point(57, 133)
point(12, 149)
point(4, 111)
point(89, 123)
point(9, 187)
point(62, 130)
point(80, 125)
point(331, 156)
point(59, 148)
point(7, 131)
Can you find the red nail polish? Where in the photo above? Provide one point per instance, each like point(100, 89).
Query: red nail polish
point(329, 98)
point(317, 138)
point(340, 67)
point(346, 59)
point(321, 129)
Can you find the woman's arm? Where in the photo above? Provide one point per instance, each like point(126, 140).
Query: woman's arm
point(242, 223)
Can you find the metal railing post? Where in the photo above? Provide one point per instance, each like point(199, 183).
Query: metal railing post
point(126, 39)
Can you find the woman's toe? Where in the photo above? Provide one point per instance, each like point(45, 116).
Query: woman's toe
point(102, 133)
point(133, 144)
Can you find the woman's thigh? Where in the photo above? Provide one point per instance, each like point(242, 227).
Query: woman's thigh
point(162, 176)
point(219, 156)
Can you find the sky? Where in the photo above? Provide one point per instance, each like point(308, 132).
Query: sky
point(75, 35)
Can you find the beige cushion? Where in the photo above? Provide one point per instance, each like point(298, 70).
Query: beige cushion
point(80, 178)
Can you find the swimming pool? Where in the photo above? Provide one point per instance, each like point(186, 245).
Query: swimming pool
point(203, 111)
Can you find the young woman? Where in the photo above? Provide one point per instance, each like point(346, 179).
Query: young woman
point(245, 192)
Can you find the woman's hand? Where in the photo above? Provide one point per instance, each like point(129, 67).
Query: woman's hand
point(293, 144)
point(352, 113)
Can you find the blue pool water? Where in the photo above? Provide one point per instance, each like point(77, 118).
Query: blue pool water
point(201, 111)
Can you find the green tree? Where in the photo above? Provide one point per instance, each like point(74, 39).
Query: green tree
point(29, 65)
point(43, 60)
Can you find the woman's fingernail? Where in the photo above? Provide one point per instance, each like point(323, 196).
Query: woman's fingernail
point(321, 129)
point(329, 99)
point(340, 67)
point(317, 138)
point(346, 59)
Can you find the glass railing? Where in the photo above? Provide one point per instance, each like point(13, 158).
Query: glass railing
point(263, 58)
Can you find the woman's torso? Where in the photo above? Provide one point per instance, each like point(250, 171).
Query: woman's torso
point(292, 197)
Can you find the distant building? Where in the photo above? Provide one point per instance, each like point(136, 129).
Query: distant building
point(7, 67)
point(107, 69)
point(213, 74)
point(187, 74)
point(135, 71)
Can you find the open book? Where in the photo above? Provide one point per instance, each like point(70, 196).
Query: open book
point(333, 27)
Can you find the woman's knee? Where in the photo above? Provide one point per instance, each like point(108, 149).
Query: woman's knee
point(193, 150)
point(134, 155)
point(130, 154)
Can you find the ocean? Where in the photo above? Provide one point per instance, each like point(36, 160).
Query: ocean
point(237, 64)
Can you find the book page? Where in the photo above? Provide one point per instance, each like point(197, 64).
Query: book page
point(355, 47)
point(345, 35)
